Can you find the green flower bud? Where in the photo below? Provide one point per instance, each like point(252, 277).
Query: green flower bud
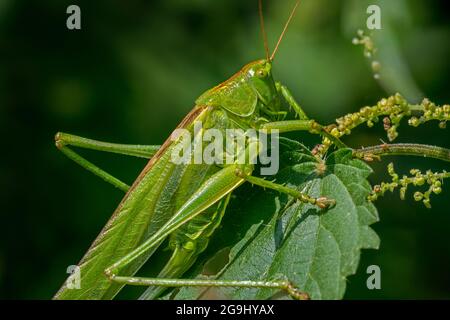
point(376, 66)
point(418, 196)
point(402, 193)
point(335, 132)
point(419, 181)
point(437, 190)
point(414, 122)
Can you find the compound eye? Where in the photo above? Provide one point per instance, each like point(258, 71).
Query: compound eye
point(261, 73)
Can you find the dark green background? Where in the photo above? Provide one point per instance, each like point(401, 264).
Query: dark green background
point(135, 69)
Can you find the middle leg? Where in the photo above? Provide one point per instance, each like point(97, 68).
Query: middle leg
point(321, 202)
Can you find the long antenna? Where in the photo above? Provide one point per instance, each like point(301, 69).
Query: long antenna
point(284, 29)
point(263, 31)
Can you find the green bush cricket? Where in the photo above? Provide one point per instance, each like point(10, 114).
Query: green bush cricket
point(186, 202)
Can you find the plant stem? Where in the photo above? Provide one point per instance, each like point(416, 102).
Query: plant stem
point(411, 149)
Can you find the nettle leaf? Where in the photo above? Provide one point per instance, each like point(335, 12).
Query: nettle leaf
point(267, 235)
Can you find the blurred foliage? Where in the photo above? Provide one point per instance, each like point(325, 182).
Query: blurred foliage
point(135, 69)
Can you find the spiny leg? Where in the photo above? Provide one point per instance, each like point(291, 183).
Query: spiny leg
point(92, 168)
point(136, 150)
point(321, 202)
point(211, 191)
point(279, 114)
point(287, 95)
point(285, 285)
point(63, 140)
point(294, 125)
point(302, 125)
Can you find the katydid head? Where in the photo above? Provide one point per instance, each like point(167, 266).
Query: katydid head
point(259, 73)
point(259, 76)
point(253, 85)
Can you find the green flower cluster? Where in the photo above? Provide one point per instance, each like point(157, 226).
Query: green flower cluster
point(394, 109)
point(434, 181)
point(369, 51)
point(432, 112)
point(366, 41)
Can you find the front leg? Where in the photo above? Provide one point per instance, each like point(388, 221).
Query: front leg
point(289, 98)
point(321, 202)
